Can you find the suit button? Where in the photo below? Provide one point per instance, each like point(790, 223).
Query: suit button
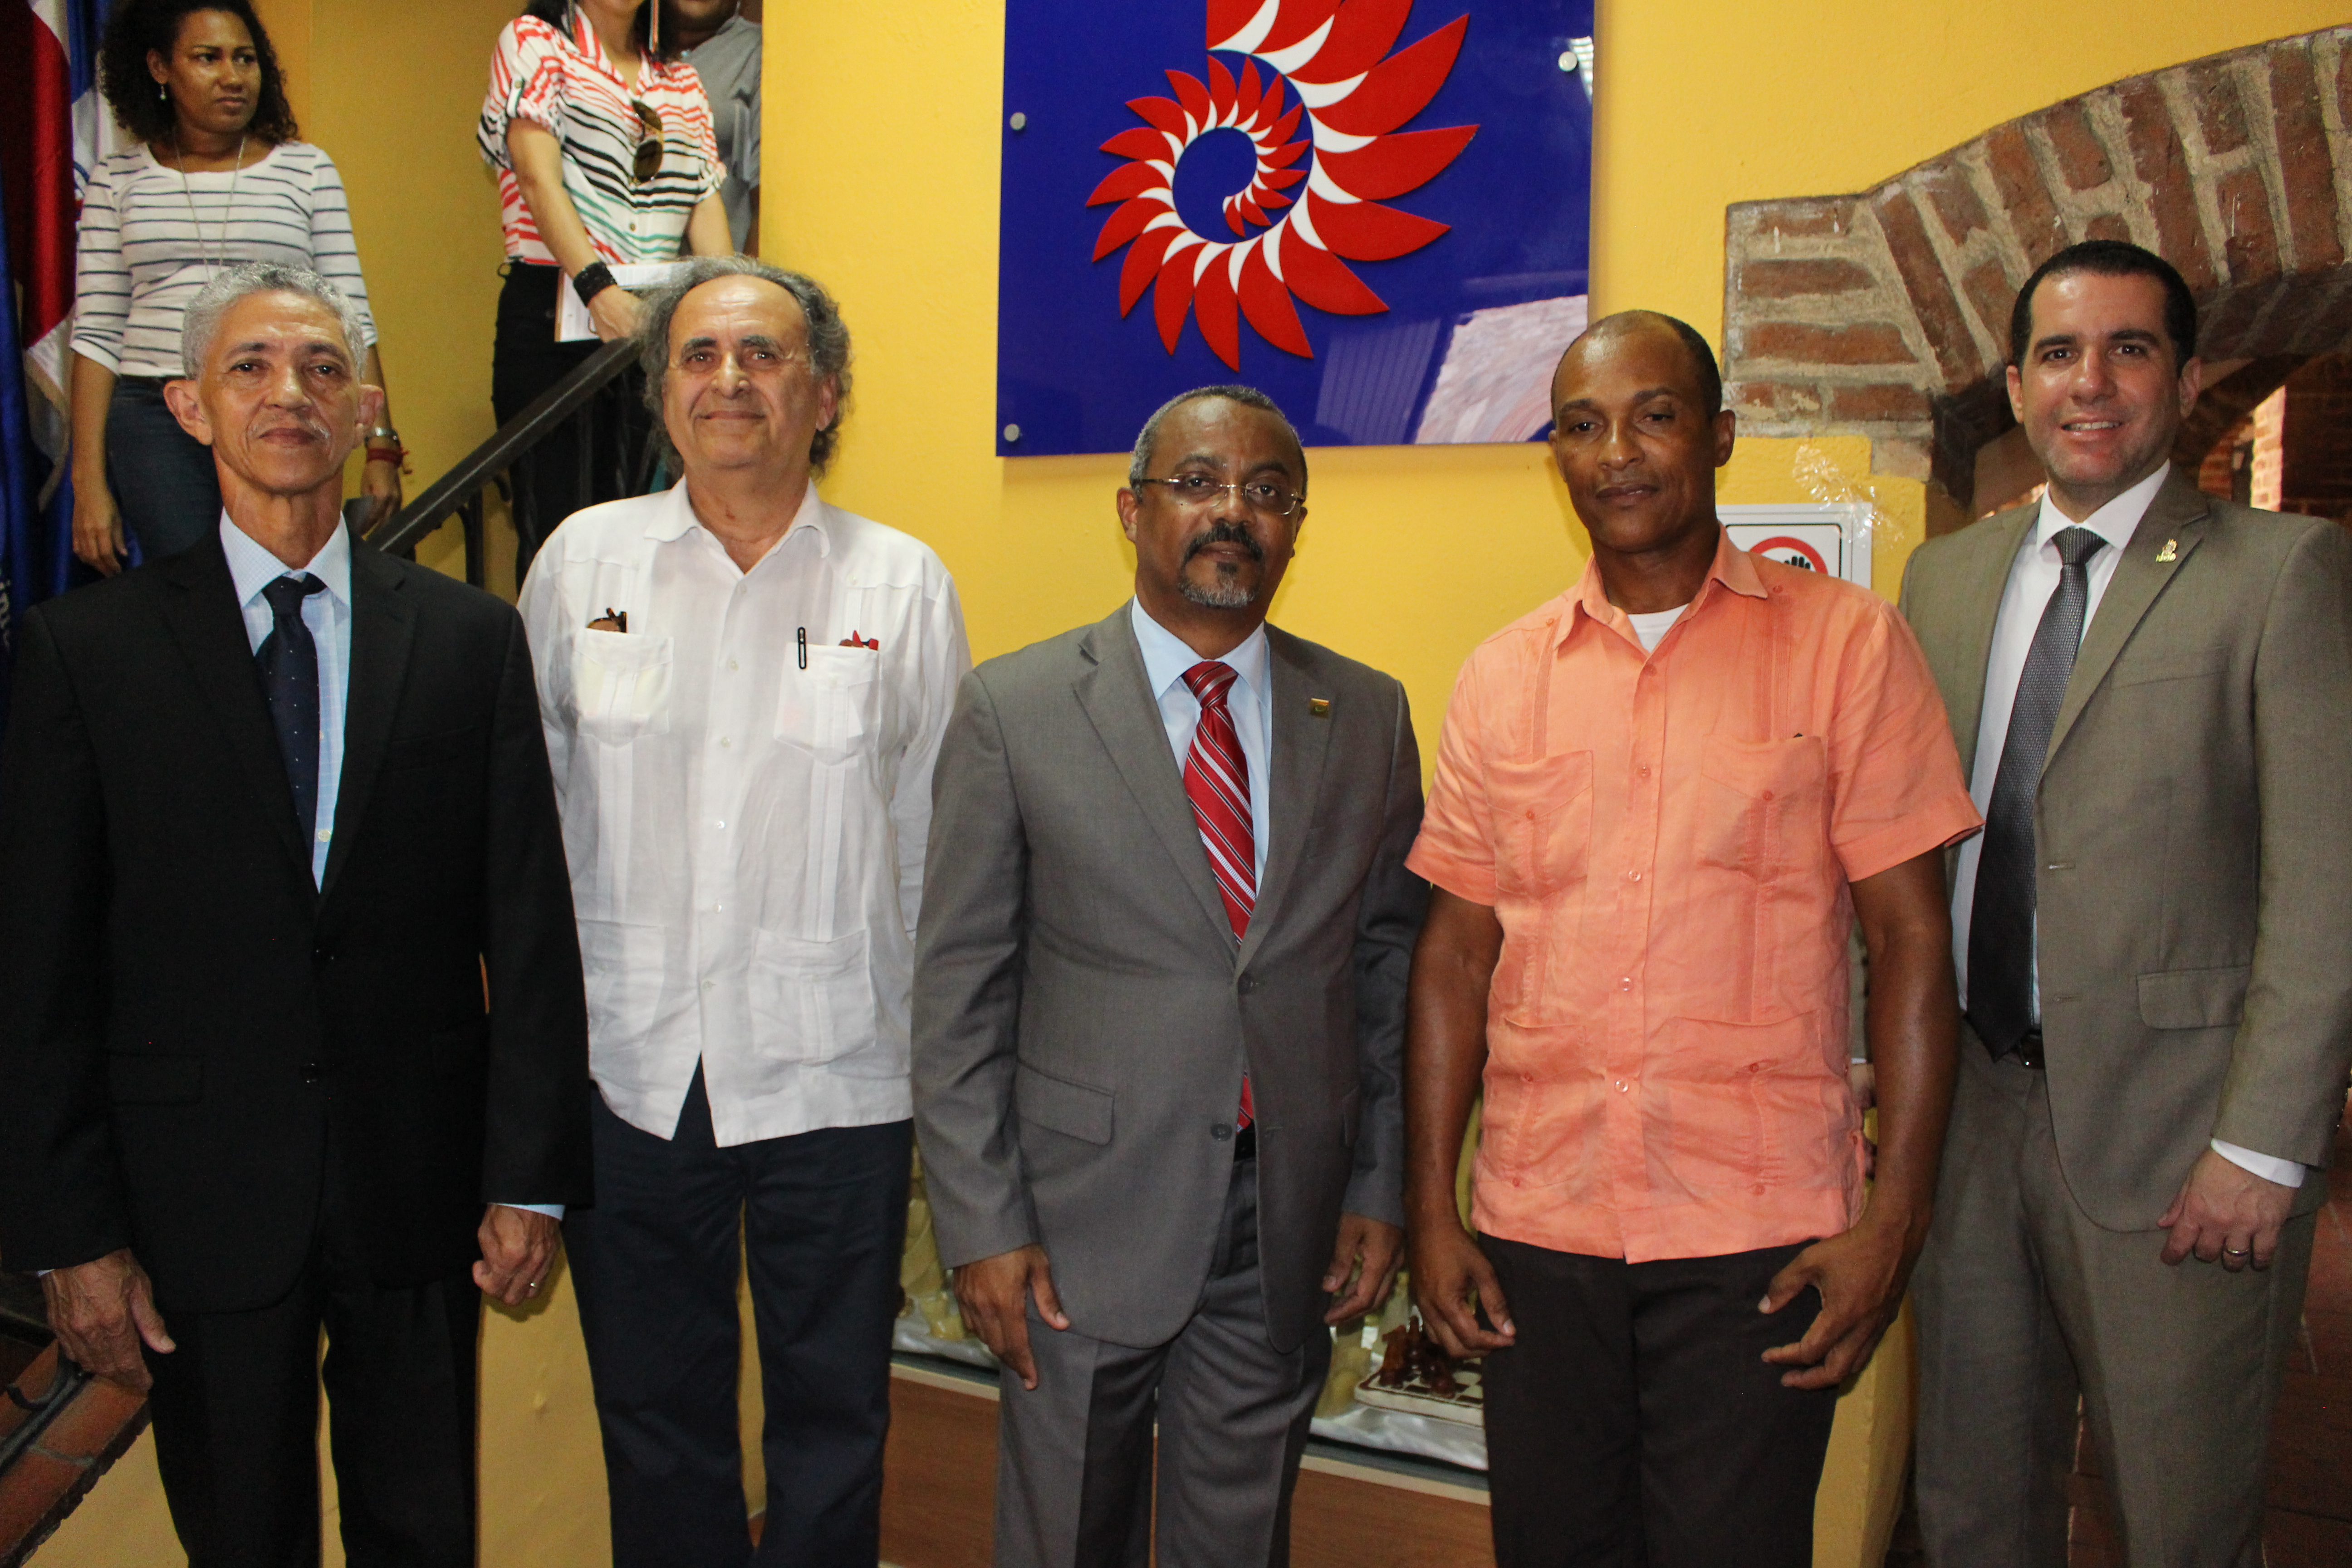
point(1246, 985)
point(1222, 1131)
point(310, 1072)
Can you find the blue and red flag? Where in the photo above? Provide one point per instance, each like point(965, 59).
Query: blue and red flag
point(1378, 214)
point(53, 131)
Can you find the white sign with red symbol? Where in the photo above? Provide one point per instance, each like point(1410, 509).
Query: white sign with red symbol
point(1833, 539)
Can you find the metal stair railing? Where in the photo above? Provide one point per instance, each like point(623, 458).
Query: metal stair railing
point(602, 379)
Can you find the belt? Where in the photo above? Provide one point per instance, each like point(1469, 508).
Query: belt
point(2028, 1050)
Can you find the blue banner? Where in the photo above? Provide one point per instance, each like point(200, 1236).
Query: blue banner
point(1375, 211)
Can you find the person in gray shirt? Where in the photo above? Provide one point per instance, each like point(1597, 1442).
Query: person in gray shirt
point(720, 39)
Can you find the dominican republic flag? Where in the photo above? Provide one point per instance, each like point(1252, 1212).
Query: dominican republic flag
point(53, 131)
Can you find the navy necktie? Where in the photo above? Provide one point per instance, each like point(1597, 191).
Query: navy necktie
point(289, 661)
point(2001, 921)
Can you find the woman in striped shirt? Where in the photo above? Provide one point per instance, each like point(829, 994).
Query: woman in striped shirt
point(215, 177)
point(605, 155)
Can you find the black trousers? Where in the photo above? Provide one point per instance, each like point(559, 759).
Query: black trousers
point(165, 486)
point(1634, 1425)
point(557, 478)
point(822, 1218)
point(237, 1419)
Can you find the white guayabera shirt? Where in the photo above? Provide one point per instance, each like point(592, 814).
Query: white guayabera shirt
point(746, 797)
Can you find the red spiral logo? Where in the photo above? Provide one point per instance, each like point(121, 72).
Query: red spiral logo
point(1352, 95)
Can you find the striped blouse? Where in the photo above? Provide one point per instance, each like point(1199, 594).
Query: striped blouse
point(562, 80)
point(150, 237)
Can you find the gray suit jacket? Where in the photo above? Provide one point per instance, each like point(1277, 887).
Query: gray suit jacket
point(1082, 1014)
point(2195, 829)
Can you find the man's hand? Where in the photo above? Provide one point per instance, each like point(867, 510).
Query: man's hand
point(1860, 1275)
point(2226, 1215)
point(101, 1311)
point(1447, 1267)
point(993, 1294)
point(518, 1247)
point(1367, 1253)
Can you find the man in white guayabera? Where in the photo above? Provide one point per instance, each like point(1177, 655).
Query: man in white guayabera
point(744, 689)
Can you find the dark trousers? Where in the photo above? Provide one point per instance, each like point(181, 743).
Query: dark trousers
point(236, 1420)
point(1634, 1425)
point(163, 480)
point(822, 1218)
point(556, 478)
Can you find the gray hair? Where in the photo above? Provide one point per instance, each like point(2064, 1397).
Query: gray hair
point(828, 340)
point(1247, 397)
point(201, 323)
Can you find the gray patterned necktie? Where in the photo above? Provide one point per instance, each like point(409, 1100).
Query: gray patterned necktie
point(2001, 923)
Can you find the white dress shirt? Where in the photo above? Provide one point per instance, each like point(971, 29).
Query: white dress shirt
point(2032, 578)
point(1250, 700)
point(746, 799)
point(328, 615)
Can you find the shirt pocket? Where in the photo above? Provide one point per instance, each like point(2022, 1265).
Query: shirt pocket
point(623, 962)
point(832, 709)
point(619, 685)
point(812, 999)
point(1543, 811)
point(1757, 799)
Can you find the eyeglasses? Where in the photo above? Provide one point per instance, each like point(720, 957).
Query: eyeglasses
point(649, 149)
point(1193, 491)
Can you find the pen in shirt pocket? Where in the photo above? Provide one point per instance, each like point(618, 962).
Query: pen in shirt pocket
point(802, 638)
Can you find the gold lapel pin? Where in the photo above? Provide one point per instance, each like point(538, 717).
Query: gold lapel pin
point(1319, 706)
point(2169, 553)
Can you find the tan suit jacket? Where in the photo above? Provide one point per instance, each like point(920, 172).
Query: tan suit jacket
point(2194, 824)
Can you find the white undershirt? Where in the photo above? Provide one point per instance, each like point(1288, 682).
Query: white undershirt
point(1652, 628)
point(2032, 578)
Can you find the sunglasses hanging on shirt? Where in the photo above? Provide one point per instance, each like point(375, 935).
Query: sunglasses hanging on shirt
point(650, 147)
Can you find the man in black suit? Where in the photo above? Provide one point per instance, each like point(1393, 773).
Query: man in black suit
point(288, 979)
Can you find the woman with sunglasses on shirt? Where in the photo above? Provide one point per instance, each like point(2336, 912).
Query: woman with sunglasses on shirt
point(605, 155)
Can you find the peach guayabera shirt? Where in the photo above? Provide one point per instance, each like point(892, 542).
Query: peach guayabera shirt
point(1667, 841)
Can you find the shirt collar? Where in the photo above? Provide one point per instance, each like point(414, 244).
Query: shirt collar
point(1732, 566)
point(677, 518)
point(1166, 657)
point(253, 568)
point(2116, 523)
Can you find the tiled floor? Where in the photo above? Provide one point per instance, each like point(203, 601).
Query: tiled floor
point(2310, 1523)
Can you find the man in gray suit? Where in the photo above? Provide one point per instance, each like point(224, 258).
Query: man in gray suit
point(1158, 1018)
point(2152, 692)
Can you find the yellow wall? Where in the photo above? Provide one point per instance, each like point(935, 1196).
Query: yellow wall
point(390, 92)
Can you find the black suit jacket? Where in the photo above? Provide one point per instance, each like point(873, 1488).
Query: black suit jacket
point(193, 1040)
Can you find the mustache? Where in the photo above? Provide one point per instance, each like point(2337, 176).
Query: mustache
point(1222, 534)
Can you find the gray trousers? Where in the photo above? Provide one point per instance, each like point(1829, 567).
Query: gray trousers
point(1075, 1466)
point(2025, 1307)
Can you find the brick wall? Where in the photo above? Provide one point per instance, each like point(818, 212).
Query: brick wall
point(1886, 313)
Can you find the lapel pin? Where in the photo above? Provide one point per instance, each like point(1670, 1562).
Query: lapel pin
point(1319, 706)
point(2169, 553)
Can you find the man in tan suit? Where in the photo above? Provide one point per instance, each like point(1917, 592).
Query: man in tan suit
point(2152, 693)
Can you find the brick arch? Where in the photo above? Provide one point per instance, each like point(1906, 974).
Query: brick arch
point(1886, 313)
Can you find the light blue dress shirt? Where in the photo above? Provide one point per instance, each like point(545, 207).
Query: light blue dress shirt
point(328, 615)
point(1251, 703)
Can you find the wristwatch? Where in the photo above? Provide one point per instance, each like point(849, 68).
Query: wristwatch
point(384, 441)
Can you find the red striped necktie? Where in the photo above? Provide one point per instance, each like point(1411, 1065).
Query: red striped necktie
point(1217, 780)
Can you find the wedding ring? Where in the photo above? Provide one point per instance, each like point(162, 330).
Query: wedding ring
point(2235, 1251)
point(532, 1286)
